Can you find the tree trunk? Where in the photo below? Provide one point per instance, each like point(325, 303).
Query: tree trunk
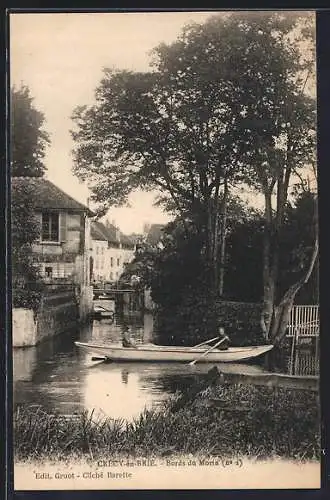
point(282, 311)
point(268, 272)
point(209, 247)
point(281, 319)
point(212, 246)
point(209, 291)
point(215, 249)
point(268, 305)
point(223, 238)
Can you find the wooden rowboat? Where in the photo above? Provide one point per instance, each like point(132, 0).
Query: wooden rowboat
point(156, 353)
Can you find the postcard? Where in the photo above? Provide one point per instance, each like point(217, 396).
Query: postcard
point(165, 315)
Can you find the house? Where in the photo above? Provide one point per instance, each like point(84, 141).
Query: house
point(111, 250)
point(62, 249)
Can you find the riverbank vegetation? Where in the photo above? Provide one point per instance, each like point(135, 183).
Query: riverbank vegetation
point(221, 420)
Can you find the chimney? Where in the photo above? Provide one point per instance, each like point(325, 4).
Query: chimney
point(117, 234)
point(107, 223)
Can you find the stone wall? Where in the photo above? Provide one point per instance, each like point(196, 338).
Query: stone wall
point(24, 327)
point(58, 312)
point(85, 302)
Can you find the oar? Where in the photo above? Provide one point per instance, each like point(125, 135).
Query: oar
point(204, 343)
point(208, 350)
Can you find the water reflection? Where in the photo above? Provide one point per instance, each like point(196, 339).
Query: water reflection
point(124, 390)
point(46, 374)
point(64, 379)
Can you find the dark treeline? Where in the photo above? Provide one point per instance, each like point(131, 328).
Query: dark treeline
point(175, 271)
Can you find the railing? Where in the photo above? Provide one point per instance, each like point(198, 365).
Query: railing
point(305, 362)
point(304, 321)
point(108, 291)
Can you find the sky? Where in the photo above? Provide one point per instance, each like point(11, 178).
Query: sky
point(60, 57)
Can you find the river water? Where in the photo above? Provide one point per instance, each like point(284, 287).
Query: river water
point(63, 379)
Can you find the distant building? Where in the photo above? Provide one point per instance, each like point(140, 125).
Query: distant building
point(155, 235)
point(111, 251)
point(62, 249)
point(137, 237)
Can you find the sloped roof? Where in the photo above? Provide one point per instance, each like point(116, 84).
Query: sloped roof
point(155, 234)
point(126, 239)
point(108, 232)
point(97, 232)
point(102, 232)
point(46, 195)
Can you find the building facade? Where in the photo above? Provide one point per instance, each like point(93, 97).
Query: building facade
point(111, 251)
point(62, 249)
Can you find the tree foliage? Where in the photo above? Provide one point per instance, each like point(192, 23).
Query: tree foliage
point(176, 273)
point(26, 279)
point(244, 265)
point(28, 147)
point(28, 138)
point(224, 105)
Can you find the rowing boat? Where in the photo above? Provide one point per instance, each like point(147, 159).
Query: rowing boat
point(156, 353)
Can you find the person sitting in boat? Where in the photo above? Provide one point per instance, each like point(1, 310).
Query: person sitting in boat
point(126, 340)
point(222, 336)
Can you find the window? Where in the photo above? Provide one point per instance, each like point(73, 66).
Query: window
point(118, 261)
point(97, 250)
point(102, 251)
point(50, 227)
point(111, 262)
point(111, 275)
point(48, 271)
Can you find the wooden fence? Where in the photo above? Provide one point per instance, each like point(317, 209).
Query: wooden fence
point(304, 321)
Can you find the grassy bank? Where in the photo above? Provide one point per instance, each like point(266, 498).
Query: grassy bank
point(223, 420)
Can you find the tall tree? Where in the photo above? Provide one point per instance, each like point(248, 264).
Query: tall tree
point(28, 146)
point(280, 123)
point(26, 279)
point(28, 138)
point(175, 128)
point(213, 112)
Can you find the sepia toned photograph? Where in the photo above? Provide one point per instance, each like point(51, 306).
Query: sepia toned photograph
point(164, 250)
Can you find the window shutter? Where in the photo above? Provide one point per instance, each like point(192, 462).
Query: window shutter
point(62, 226)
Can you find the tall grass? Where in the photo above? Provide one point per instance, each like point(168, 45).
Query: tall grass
point(225, 420)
